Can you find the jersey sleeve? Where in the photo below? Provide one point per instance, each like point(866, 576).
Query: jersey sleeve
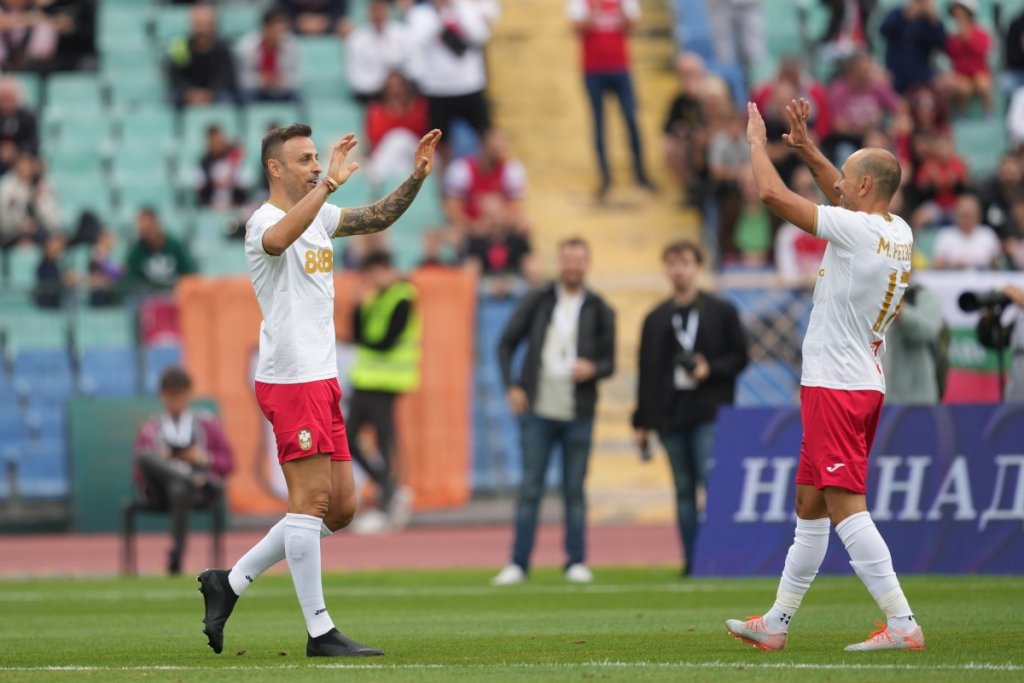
point(330, 217)
point(257, 226)
point(839, 226)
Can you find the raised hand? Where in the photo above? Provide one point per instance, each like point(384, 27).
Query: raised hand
point(798, 112)
point(424, 158)
point(757, 134)
point(337, 169)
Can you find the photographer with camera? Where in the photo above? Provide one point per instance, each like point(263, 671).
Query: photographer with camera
point(692, 348)
point(916, 343)
point(994, 334)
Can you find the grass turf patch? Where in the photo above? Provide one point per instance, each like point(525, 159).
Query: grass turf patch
point(631, 625)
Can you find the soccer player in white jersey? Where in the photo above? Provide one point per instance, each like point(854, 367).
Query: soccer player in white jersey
point(291, 263)
point(861, 282)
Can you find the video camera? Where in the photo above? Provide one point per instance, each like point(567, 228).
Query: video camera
point(972, 301)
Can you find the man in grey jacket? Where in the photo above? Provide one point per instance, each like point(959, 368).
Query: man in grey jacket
point(569, 333)
point(911, 344)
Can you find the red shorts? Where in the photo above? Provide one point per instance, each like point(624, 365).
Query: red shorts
point(306, 418)
point(839, 428)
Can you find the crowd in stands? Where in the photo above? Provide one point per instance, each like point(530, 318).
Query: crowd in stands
point(409, 65)
point(903, 78)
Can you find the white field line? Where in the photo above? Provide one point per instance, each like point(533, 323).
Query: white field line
point(604, 664)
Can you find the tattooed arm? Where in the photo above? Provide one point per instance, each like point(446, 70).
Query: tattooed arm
point(382, 214)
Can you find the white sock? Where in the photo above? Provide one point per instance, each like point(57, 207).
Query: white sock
point(810, 541)
point(302, 548)
point(870, 558)
point(262, 556)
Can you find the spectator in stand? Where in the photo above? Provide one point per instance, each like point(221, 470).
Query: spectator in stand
point(913, 34)
point(967, 244)
point(19, 133)
point(738, 32)
point(1012, 76)
point(911, 345)
point(968, 49)
point(75, 24)
point(470, 179)
point(52, 280)
point(268, 61)
point(104, 272)
point(27, 38)
point(156, 260)
point(847, 32)
point(394, 125)
point(940, 178)
point(496, 245)
point(201, 67)
point(791, 73)
point(603, 27)
point(753, 230)
point(29, 212)
point(798, 254)
point(450, 36)
point(925, 118)
point(375, 50)
point(728, 157)
point(223, 179)
point(861, 97)
point(1002, 197)
point(782, 156)
point(316, 17)
point(686, 132)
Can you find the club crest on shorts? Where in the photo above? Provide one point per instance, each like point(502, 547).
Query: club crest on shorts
point(305, 439)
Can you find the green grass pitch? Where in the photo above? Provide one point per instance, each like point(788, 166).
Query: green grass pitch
point(631, 625)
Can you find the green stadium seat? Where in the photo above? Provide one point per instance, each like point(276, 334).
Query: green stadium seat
point(21, 267)
point(147, 126)
point(324, 89)
point(122, 25)
point(331, 121)
point(172, 22)
point(234, 21)
point(35, 329)
point(321, 55)
point(136, 89)
point(31, 87)
point(103, 328)
point(76, 194)
point(213, 225)
point(980, 143)
point(261, 115)
point(75, 92)
point(223, 257)
point(195, 121)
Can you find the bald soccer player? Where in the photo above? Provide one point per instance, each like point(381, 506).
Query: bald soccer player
point(863, 277)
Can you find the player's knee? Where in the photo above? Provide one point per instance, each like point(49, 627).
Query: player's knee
point(341, 516)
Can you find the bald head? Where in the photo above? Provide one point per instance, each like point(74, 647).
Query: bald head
point(882, 167)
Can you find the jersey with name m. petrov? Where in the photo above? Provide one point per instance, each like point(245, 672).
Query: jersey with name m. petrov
point(863, 277)
point(296, 294)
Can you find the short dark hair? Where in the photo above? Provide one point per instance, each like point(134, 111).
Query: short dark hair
point(574, 241)
point(376, 258)
point(274, 14)
point(679, 248)
point(273, 140)
point(175, 380)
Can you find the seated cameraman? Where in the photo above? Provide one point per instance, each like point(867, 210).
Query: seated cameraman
point(692, 349)
point(995, 335)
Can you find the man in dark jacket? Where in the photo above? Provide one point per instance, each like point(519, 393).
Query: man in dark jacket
point(570, 344)
point(201, 66)
point(913, 35)
point(691, 350)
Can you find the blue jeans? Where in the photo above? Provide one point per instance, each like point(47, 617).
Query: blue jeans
point(538, 437)
point(622, 86)
point(688, 451)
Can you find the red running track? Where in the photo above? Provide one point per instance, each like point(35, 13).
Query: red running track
point(475, 547)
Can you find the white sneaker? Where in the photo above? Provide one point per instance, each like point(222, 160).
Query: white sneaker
point(509, 576)
point(400, 509)
point(371, 522)
point(578, 573)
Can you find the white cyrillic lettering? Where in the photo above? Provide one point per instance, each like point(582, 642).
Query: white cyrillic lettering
point(775, 488)
point(1016, 509)
point(911, 487)
point(955, 490)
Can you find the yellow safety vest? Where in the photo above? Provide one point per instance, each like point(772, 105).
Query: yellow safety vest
point(398, 369)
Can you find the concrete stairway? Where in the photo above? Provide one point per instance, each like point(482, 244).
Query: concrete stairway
point(537, 90)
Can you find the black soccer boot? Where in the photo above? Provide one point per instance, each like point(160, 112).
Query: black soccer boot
point(220, 601)
point(334, 644)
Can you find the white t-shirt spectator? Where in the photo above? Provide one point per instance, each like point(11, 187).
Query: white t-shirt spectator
point(441, 70)
point(370, 55)
point(295, 291)
point(975, 250)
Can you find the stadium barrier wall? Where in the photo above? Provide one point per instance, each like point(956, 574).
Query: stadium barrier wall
point(220, 322)
point(945, 486)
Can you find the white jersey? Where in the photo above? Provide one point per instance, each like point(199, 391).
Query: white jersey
point(296, 295)
point(863, 277)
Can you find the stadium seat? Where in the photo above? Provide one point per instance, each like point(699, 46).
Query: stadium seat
point(146, 126)
point(44, 375)
point(224, 257)
point(156, 359)
point(332, 120)
point(79, 194)
point(234, 21)
point(260, 115)
point(321, 55)
point(31, 87)
point(103, 328)
point(14, 426)
point(43, 468)
point(136, 88)
point(213, 224)
point(108, 372)
point(75, 92)
point(21, 267)
point(172, 22)
point(980, 143)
